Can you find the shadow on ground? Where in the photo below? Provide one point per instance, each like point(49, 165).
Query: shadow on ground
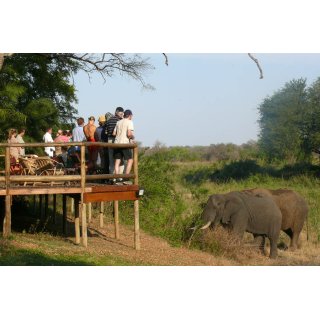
point(240, 170)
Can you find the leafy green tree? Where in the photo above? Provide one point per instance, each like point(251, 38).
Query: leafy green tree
point(36, 93)
point(284, 122)
point(36, 90)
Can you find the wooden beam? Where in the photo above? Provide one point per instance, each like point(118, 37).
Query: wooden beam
point(136, 225)
point(116, 219)
point(71, 206)
point(69, 144)
point(40, 207)
point(64, 214)
point(114, 188)
point(46, 190)
point(54, 209)
point(84, 225)
point(77, 222)
point(98, 197)
point(89, 206)
point(52, 178)
point(46, 205)
point(7, 218)
point(101, 214)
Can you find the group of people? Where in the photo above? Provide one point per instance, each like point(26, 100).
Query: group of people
point(113, 128)
point(117, 128)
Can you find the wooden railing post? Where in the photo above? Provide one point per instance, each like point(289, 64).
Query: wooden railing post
point(101, 214)
point(116, 218)
point(136, 202)
point(84, 225)
point(77, 221)
point(54, 209)
point(89, 206)
point(82, 205)
point(7, 217)
point(64, 214)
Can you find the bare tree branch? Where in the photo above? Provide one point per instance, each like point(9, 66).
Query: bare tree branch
point(166, 61)
point(257, 63)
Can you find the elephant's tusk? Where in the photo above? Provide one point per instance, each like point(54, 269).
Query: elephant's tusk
point(206, 225)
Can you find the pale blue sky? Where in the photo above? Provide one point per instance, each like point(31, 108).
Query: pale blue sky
point(199, 99)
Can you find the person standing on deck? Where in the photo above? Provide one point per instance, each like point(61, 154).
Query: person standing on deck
point(98, 137)
point(89, 131)
point(109, 128)
point(48, 138)
point(21, 133)
point(123, 133)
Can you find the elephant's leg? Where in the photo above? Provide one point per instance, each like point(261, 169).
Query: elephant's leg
point(273, 248)
point(259, 241)
point(289, 232)
point(239, 224)
point(294, 241)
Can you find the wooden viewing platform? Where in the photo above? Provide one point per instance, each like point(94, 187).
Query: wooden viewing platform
point(83, 188)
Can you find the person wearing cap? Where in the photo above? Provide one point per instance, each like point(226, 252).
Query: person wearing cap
point(89, 131)
point(98, 137)
point(123, 133)
point(109, 128)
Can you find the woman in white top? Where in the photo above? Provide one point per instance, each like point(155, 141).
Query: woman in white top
point(20, 135)
point(14, 151)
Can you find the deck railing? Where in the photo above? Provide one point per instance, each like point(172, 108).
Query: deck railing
point(82, 177)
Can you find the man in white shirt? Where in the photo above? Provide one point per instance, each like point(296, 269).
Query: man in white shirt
point(124, 134)
point(48, 138)
point(77, 132)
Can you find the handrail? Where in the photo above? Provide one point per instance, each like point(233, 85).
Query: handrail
point(59, 144)
point(82, 177)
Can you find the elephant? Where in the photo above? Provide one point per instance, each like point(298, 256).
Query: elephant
point(242, 212)
point(294, 210)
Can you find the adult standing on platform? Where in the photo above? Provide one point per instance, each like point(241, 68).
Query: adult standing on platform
point(77, 132)
point(21, 133)
point(123, 133)
point(12, 138)
point(98, 137)
point(89, 131)
point(48, 138)
point(109, 128)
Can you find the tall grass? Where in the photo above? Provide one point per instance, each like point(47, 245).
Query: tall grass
point(175, 194)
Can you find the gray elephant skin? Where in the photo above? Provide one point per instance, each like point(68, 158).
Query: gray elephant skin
point(294, 210)
point(244, 212)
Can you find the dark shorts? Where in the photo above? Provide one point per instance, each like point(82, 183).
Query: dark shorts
point(125, 154)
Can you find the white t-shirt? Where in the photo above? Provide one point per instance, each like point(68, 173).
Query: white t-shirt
point(121, 130)
point(48, 150)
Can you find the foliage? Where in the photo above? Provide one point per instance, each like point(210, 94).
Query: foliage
point(290, 123)
point(37, 92)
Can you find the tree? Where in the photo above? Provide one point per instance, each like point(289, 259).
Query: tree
point(36, 90)
point(281, 121)
point(290, 121)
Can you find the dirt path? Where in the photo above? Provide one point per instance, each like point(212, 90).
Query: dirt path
point(156, 251)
